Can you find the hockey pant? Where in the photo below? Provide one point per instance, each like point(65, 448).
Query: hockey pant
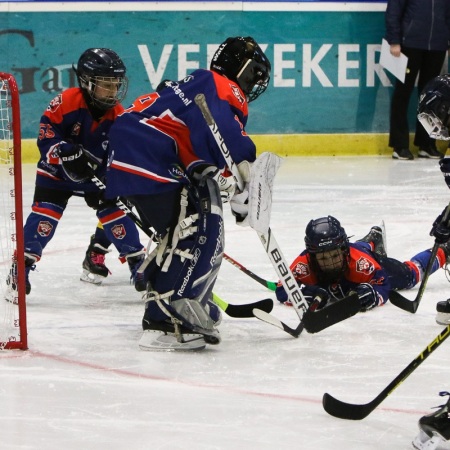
point(48, 208)
point(405, 275)
point(184, 266)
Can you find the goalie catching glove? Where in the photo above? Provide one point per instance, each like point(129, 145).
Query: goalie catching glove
point(76, 163)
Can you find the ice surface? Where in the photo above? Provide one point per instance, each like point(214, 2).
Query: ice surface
point(84, 383)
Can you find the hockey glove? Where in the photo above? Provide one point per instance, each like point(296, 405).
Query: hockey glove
point(76, 165)
point(441, 229)
point(368, 298)
point(239, 207)
point(444, 164)
point(310, 293)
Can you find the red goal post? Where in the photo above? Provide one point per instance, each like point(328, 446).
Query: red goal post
point(13, 323)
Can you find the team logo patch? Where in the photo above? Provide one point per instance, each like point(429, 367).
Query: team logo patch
point(55, 104)
point(76, 129)
point(118, 231)
point(237, 93)
point(177, 172)
point(363, 265)
point(302, 270)
point(44, 228)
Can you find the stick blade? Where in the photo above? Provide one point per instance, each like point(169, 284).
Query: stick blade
point(316, 321)
point(246, 310)
point(343, 410)
point(402, 302)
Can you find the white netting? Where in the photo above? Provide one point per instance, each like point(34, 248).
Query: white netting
point(9, 309)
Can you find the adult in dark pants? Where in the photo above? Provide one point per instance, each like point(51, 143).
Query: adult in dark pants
point(420, 29)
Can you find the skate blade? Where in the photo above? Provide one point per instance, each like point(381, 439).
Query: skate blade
point(150, 341)
point(92, 278)
point(443, 319)
point(436, 442)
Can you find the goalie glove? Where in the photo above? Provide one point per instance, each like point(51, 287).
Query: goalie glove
point(76, 164)
point(441, 229)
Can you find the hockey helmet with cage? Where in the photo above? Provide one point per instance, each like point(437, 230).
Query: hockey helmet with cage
point(241, 59)
point(102, 77)
point(434, 108)
point(327, 244)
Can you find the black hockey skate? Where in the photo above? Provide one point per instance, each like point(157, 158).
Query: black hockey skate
point(94, 269)
point(443, 312)
point(134, 261)
point(30, 264)
point(376, 239)
point(434, 429)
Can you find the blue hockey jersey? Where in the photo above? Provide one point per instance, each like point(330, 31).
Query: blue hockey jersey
point(156, 143)
point(68, 120)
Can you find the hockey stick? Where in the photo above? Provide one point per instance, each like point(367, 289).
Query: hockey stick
point(411, 306)
point(267, 239)
point(232, 310)
point(245, 310)
point(271, 285)
point(351, 411)
point(408, 305)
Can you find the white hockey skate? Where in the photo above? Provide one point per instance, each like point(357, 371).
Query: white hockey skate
point(434, 429)
point(154, 341)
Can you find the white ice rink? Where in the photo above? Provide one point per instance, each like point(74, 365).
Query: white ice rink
point(84, 383)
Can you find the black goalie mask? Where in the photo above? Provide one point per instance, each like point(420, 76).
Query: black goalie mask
point(241, 59)
point(434, 108)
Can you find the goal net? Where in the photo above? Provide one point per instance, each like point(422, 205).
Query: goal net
point(13, 331)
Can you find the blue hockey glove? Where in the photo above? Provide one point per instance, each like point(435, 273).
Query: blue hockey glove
point(444, 164)
point(312, 293)
point(309, 292)
point(367, 296)
point(441, 229)
point(75, 163)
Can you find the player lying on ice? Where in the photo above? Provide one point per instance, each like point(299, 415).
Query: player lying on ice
point(166, 162)
point(331, 267)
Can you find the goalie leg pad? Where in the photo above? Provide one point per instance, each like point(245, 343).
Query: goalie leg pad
point(193, 265)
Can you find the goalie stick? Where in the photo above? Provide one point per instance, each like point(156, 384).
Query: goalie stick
point(343, 410)
point(411, 305)
point(271, 285)
point(267, 239)
point(244, 310)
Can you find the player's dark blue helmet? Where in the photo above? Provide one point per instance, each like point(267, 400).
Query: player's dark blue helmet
point(434, 108)
point(102, 77)
point(241, 59)
point(327, 244)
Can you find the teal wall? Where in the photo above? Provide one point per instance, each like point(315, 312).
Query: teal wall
point(326, 77)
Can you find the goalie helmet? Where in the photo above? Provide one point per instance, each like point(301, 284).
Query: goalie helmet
point(241, 59)
point(102, 78)
point(327, 244)
point(434, 108)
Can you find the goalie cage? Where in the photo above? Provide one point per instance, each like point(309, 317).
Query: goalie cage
point(13, 324)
